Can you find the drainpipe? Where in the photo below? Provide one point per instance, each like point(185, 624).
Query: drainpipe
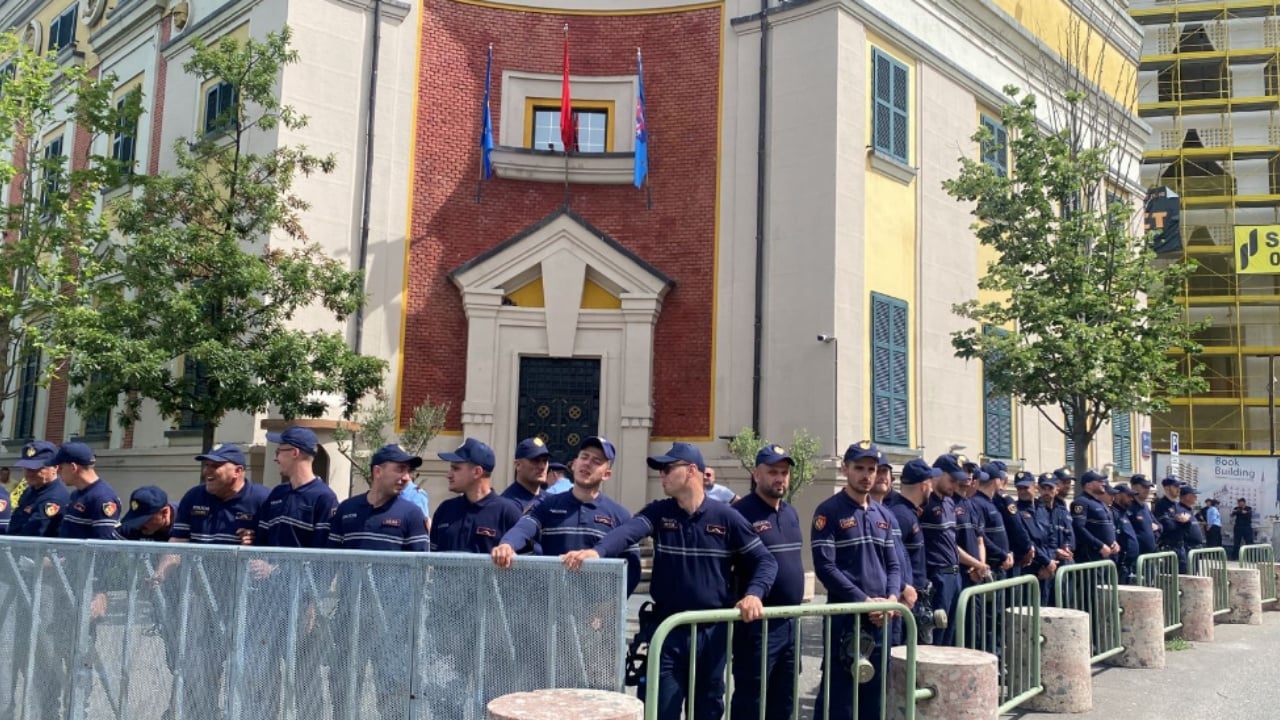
point(762, 152)
point(375, 43)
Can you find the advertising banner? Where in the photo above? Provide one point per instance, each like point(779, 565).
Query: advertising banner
point(1227, 478)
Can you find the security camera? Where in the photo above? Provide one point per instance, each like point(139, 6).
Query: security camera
point(826, 338)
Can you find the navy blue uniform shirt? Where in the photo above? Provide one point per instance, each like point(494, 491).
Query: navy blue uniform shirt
point(1061, 532)
point(694, 554)
point(1015, 527)
point(904, 561)
point(1126, 535)
point(463, 526)
point(970, 526)
point(397, 525)
point(1141, 518)
point(562, 523)
point(780, 532)
point(938, 521)
point(1181, 535)
point(517, 494)
point(296, 518)
point(39, 512)
point(1162, 506)
point(993, 532)
point(205, 519)
point(1093, 526)
point(908, 517)
point(1035, 518)
point(161, 535)
point(853, 551)
point(92, 514)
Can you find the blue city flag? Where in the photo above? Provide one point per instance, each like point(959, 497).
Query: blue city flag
point(486, 130)
point(642, 132)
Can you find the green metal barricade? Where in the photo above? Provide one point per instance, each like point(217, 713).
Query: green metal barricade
point(1212, 563)
point(1263, 559)
point(858, 612)
point(1160, 570)
point(1093, 587)
point(985, 620)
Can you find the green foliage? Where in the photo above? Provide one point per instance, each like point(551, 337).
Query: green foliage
point(804, 450)
point(1093, 324)
point(212, 266)
point(374, 423)
point(52, 231)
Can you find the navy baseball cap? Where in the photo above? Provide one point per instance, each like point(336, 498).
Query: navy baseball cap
point(601, 443)
point(917, 471)
point(1024, 479)
point(1092, 476)
point(966, 463)
point(1047, 479)
point(993, 472)
point(980, 476)
point(558, 467)
point(861, 450)
point(471, 451)
point(772, 455)
point(297, 437)
point(225, 453)
point(1170, 480)
point(1063, 474)
point(999, 465)
point(531, 449)
point(393, 453)
point(679, 452)
point(1140, 480)
point(883, 461)
point(143, 503)
point(951, 465)
point(36, 455)
point(1122, 488)
point(74, 452)
point(1187, 490)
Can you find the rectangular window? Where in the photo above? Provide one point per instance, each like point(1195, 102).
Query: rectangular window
point(51, 171)
point(1069, 446)
point(97, 425)
point(195, 370)
point(995, 152)
point(1122, 442)
point(220, 107)
point(592, 130)
point(124, 142)
point(24, 421)
point(997, 415)
point(7, 73)
point(890, 106)
point(62, 31)
point(890, 366)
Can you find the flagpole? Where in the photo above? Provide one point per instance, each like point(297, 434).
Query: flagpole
point(487, 71)
point(566, 107)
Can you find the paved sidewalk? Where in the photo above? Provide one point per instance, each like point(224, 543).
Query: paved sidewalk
point(1232, 677)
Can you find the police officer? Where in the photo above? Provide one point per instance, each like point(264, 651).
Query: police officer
point(1126, 533)
point(297, 514)
point(881, 488)
point(907, 504)
point(38, 512)
point(376, 520)
point(944, 559)
point(1020, 544)
point(1034, 518)
point(530, 470)
point(575, 520)
point(1169, 486)
point(150, 516)
point(559, 478)
point(855, 558)
point(1094, 528)
point(777, 524)
point(1060, 534)
point(477, 518)
point(970, 531)
point(1144, 523)
point(697, 543)
point(1241, 526)
point(1000, 556)
point(1181, 533)
point(93, 510)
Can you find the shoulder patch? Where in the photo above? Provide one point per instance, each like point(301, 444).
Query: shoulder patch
point(1077, 508)
point(51, 509)
point(819, 522)
point(109, 509)
point(1013, 509)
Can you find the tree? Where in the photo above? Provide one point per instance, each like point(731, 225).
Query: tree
point(1085, 318)
point(373, 425)
point(804, 451)
point(211, 265)
point(51, 229)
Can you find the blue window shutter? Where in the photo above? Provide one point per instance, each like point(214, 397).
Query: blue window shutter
point(900, 110)
point(891, 106)
point(1122, 442)
point(890, 371)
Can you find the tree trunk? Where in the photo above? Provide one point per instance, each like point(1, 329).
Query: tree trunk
point(206, 442)
point(1080, 463)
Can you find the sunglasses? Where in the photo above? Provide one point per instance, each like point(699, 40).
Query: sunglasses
point(668, 469)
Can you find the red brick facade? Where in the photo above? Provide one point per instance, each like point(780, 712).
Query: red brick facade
point(682, 71)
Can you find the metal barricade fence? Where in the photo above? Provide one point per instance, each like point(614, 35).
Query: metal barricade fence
point(1212, 563)
point(114, 630)
point(846, 626)
point(1093, 587)
point(1003, 618)
point(1263, 559)
point(1160, 570)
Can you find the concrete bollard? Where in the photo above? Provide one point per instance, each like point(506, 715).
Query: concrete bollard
point(1141, 628)
point(1246, 596)
point(1197, 608)
point(1065, 670)
point(965, 683)
point(562, 704)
